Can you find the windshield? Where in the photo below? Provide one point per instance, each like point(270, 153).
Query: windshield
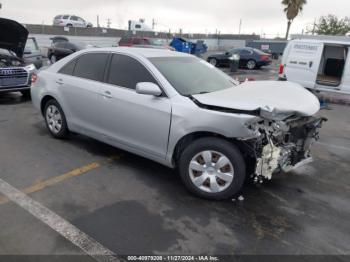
point(190, 75)
point(78, 45)
point(31, 45)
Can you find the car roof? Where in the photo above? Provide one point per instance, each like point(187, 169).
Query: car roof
point(145, 52)
point(335, 41)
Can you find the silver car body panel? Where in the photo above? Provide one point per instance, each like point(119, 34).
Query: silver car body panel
point(152, 126)
point(267, 95)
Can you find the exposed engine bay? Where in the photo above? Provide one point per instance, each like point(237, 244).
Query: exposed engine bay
point(10, 61)
point(283, 145)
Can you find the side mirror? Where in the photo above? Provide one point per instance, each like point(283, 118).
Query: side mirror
point(148, 88)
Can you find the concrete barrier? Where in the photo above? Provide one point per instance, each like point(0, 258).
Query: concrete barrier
point(105, 37)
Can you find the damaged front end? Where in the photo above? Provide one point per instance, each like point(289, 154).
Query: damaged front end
point(283, 145)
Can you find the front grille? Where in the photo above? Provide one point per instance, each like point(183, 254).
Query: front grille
point(13, 77)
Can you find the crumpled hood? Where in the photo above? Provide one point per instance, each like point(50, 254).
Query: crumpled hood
point(275, 97)
point(13, 36)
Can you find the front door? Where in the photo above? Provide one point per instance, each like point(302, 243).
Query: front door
point(139, 122)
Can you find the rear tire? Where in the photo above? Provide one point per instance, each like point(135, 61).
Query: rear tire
point(251, 64)
point(212, 168)
point(55, 120)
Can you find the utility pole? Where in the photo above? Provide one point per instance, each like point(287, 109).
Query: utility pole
point(98, 21)
point(314, 28)
point(109, 23)
point(153, 23)
point(240, 26)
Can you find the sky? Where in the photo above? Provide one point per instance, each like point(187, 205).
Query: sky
point(193, 16)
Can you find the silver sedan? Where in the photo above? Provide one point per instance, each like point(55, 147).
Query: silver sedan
point(182, 112)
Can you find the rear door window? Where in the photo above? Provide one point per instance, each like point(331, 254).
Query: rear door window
point(126, 72)
point(74, 18)
point(91, 66)
point(65, 17)
point(68, 69)
point(124, 40)
point(246, 52)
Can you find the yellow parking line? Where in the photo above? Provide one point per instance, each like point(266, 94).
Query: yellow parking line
point(55, 180)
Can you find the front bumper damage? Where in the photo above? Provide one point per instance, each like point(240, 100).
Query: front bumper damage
point(283, 145)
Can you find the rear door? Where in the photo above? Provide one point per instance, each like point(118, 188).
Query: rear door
point(345, 83)
point(74, 20)
point(80, 86)
point(303, 62)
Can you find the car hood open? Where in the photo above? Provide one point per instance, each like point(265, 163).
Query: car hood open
point(270, 99)
point(13, 36)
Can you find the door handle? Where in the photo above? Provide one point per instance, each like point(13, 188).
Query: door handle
point(107, 94)
point(59, 81)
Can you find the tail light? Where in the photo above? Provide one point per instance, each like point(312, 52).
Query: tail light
point(265, 58)
point(34, 78)
point(281, 71)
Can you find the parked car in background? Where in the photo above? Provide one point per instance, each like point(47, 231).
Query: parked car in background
point(57, 39)
point(15, 73)
point(61, 49)
point(273, 47)
point(250, 58)
point(144, 42)
point(318, 63)
point(32, 53)
point(182, 112)
point(70, 21)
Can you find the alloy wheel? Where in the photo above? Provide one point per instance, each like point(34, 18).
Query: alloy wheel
point(251, 64)
point(54, 119)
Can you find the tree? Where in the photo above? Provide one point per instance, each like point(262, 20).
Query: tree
point(292, 10)
point(332, 25)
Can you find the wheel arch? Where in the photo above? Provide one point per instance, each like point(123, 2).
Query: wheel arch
point(189, 138)
point(43, 102)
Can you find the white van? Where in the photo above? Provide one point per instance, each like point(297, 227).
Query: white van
point(318, 62)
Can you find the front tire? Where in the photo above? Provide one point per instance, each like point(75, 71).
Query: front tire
point(212, 168)
point(55, 120)
point(53, 59)
point(213, 61)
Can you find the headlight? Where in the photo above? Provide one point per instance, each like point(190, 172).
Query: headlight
point(30, 67)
